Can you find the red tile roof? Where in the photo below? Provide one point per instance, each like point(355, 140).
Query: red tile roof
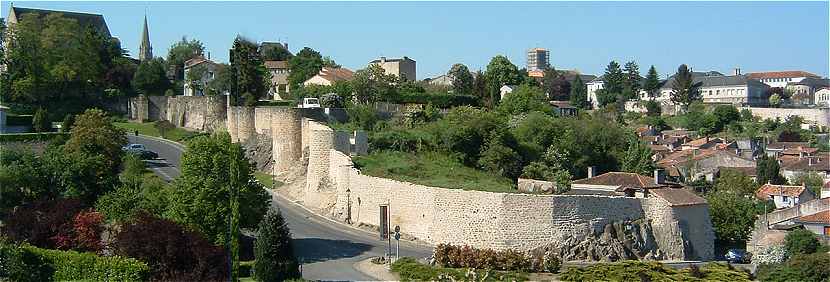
point(780, 74)
point(618, 179)
point(784, 145)
point(678, 197)
point(797, 150)
point(336, 74)
point(767, 190)
point(536, 73)
point(821, 217)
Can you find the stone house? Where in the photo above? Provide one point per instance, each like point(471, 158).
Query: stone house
point(328, 76)
point(205, 64)
point(784, 196)
point(793, 166)
point(403, 68)
point(279, 78)
point(818, 223)
point(688, 165)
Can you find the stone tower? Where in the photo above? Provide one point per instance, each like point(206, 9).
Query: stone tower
point(145, 52)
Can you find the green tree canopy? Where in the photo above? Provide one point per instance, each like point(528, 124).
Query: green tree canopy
point(462, 80)
point(684, 90)
point(274, 52)
point(252, 79)
point(372, 84)
point(151, 78)
point(500, 71)
point(304, 65)
point(182, 51)
point(736, 182)
point(274, 255)
point(652, 83)
point(579, 94)
point(95, 134)
point(768, 171)
point(523, 100)
point(632, 79)
point(555, 85)
point(733, 215)
point(638, 157)
point(614, 79)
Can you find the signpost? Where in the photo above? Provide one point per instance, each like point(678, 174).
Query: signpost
point(397, 241)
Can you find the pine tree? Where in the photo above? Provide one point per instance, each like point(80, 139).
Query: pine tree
point(613, 79)
point(632, 78)
point(579, 94)
point(274, 255)
point(684, 90)
point(652, 83)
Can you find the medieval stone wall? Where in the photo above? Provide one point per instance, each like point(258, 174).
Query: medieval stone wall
point(203, 113)
point(286, 131)
point(817, 116)
point(241, 123)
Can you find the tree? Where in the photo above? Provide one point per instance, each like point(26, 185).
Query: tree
point(801, 241)
point(174, 253)
point(372, 84)
point(40, 121)
point(733, 215)
point(614, 80)
point(500, 71)
point(147, 194)
point(182, 51)
point(304, 65)
point(524, 99)
point(500, 159)
point(811, 180)
point(638, 157)
point(632, 79)
point(95, 134)
point(273, 251)
point(555, 85)
point(202, 193)
point(151, 78)
point(194, 76)
point(579, 94)
point(775, 100)
point(812, 267)
point(68, 122)
point(480, 90)
point(462, 80)
point(550, 168)
point(768, 171)
point(653, 108)
point(87, 228)
point(735, 182)
point(221, 82)
point(684, 90)
point(163, 127)
point(274, 52)
point(726, 114)
point(24, 178)
point(252, 79)
point(652, 83)
point(39, 223)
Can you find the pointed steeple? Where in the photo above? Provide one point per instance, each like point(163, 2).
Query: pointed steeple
point(145, 52)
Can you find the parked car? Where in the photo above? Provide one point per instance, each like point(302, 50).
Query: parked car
point(738, 256)
point(309, 103)
point(141, 151)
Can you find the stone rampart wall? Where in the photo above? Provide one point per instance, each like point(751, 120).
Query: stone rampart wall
point(203, 113)
point(818, 116)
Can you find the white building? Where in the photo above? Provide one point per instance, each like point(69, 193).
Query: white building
point(507, 89)
point(402, 68)
point(593, 86)
point(717, 88)
point(784, 196)
point(822, 97)
point(780, 78)
point(209, 67)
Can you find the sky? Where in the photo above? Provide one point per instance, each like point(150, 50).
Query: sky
point(720, 36)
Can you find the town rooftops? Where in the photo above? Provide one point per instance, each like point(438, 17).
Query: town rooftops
point(780, 74)
point(618, 179)
point(684, 156)
point(798, 150)
point(195, 61)
point(819, 217)
point(96, 21)
point(767, 190)
point(813, 81)
point(784, 145)
point(702, 141)
point(276, 64)
point(678, 197)
point(820, 162)
point(336, 74)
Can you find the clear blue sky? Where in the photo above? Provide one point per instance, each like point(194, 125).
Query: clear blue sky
point(755, 36)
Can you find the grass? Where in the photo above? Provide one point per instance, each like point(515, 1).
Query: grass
point(176, 134)
point(431, 169)
point(267, 180)
point(411, 270)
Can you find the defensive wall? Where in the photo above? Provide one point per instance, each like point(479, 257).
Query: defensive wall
point(816, 116)
point(486, 219)
point(203, 113)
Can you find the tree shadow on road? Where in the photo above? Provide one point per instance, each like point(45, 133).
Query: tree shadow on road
point(309, 250)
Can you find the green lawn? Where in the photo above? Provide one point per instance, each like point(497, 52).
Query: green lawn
point(267, 180)
point(147, 128)
point(431, 169)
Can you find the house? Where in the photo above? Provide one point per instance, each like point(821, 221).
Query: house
point(206, 67)
point(403, 68)
point(563, 108)
point(702, 143)
point(776, 149)
point(793, 166)
point(822, 97)
point(441, 80)
point(818, 223)
point(507, 89)
point(784, 196)
point(94, 21)
point(803, 91)
point(688, 165)
point(279, 78)
point(328, 76)
point(616, 183)
point(780, 78)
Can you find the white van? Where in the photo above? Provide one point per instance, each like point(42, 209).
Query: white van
point(309, 103)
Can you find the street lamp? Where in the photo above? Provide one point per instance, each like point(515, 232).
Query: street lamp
point(348, 206)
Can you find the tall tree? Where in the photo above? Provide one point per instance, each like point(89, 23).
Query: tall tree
point(194, 78)
point(221, 82)
point(652, 83)
point(462, 80)
point(273, 251)
point(614, 79)
point(274, 52)
point(249, 74)
point(182, 51)
point(632, 79)
point(638, 157)
point(579, 94)
point(373, 84)
point(768, 171)
point(684, 90)
point(500, 71)
point(304, 65)
point(555, 85)
point(480, 89)
point(151, 78)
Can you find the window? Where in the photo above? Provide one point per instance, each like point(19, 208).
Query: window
point(785, 199)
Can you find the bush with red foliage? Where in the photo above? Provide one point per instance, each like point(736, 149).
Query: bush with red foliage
point(88, 226)
point(172, 252)
point(46, 223)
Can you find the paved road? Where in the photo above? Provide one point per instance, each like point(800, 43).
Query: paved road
point(327, 249)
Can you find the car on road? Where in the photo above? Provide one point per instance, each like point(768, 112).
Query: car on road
point(141, 151)
point(310, 103)
point(738, 256)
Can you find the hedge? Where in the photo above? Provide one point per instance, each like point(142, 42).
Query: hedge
point(438, 100)
point(43, 136)
point(72, 265)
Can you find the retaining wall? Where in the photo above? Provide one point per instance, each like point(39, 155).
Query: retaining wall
point(817, 116)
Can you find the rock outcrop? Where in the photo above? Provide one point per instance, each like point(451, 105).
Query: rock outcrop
point(258, 150)
point(620, 240)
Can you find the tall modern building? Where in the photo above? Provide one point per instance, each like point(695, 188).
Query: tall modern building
point(145, 51)
point(538, 59)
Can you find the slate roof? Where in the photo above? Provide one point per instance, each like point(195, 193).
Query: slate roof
point(820, 217)
point(813, 81)
point(767, 190)
point(84, 19)
point(780, 74)
point(713, 78)
point(678, 197)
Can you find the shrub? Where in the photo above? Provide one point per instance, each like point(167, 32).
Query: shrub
point(18, 263)
point(771, 255)
point(40, 121)
point(43, 223)
point(171, 251)
point(73, 266)
point(411, 270)
point(801, 241)
point(67, 123)
point(87, 229)
point(401, 140)
point(801, 267)
point(148, 194)
point(468, 257)
point(652, 271)
point(274, 255)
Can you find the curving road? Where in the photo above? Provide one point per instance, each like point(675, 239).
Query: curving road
point(327, 249)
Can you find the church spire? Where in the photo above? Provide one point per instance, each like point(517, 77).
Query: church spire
point(145, 52)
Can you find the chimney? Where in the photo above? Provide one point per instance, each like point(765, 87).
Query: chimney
point(659, 178)
point(592, 171)
point(382, 60)
point(208, 55)
point(737, 71)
